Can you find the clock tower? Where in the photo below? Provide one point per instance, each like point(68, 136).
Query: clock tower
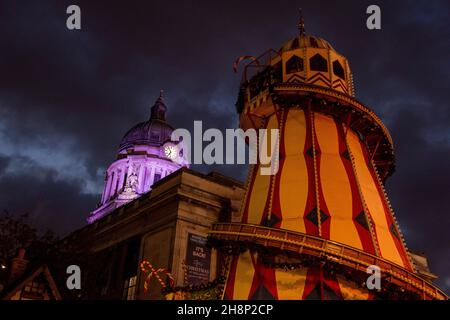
point(146, 154)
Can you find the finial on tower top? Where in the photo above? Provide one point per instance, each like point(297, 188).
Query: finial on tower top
point(301, 24)
point(159, 108)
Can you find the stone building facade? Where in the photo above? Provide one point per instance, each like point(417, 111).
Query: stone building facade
point(164, 226)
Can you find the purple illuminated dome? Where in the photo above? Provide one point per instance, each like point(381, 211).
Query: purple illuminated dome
point(153, 132)
point(145, 156)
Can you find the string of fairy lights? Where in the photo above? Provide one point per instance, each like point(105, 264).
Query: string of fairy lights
point(214, 289)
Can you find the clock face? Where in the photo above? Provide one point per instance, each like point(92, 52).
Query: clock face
point(170, 152)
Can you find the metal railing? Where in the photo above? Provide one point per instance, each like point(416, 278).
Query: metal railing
point(342, 254)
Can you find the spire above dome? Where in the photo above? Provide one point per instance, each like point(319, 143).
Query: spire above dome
point(304, 40)
point(301, 24)
point(158, 111)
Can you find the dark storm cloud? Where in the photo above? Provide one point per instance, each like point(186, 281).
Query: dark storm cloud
point(4, 161)
point(67, 97)
point(51, 202)
point(420, 191)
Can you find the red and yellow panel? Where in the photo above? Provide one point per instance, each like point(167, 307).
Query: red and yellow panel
point(250, 279)
point(326, 186)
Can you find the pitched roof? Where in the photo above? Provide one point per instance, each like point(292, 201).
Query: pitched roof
point(43, 269)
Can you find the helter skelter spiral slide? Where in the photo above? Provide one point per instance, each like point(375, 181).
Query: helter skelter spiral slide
point(311, 230)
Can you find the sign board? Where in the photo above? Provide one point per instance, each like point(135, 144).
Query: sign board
point(198, 260)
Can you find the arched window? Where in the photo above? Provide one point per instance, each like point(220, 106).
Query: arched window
point(338, 70)
point(318, 63)
point(294, 64)
point(125, 180)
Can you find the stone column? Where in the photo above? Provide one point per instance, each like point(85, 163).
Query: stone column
point(122, 176)
point(141, 179)
point(106, 188)
point(151, 177)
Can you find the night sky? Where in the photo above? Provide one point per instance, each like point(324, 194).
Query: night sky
point(67, 97)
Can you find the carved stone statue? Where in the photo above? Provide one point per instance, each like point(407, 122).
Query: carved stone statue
point(131, 185)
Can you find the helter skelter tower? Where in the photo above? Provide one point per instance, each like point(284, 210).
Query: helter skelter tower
point(311, 230)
